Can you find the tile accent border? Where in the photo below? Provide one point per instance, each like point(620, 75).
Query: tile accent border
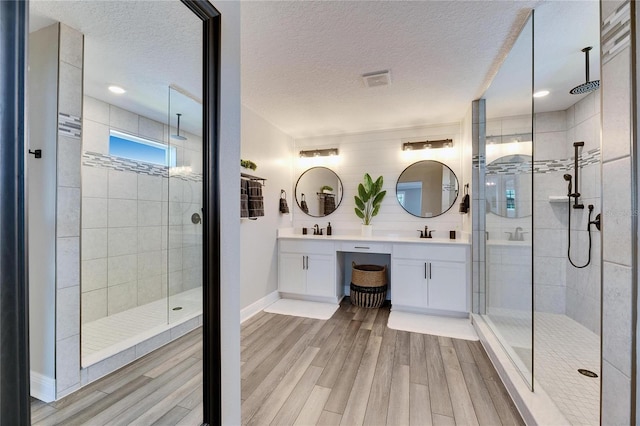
point(616, 32)
point(542, 166)
point(69, 125)
point(104, 161)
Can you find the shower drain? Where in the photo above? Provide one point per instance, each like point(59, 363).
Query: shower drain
point(587, 373)
point(177, 308)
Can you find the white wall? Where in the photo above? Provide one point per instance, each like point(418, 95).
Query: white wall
point(271, 150)
point(43, 103)
point(380, 153)
point(229, 163)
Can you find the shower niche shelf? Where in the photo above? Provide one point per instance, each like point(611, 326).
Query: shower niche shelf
point(557, 198)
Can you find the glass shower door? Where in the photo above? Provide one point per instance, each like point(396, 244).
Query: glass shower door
point(184, 207)
point(508, 187)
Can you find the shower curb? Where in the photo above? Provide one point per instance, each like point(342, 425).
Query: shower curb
point(536, 408)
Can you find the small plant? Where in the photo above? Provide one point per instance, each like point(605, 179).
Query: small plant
point(326, 188)
point(248, 164)
point(369, 198)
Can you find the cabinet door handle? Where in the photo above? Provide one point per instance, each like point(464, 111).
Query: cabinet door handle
point(307, 262)
point(362, 247)
point(303, 262)
point(425, 270)
point(429, 270)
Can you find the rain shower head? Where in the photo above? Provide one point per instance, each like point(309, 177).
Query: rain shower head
point(177, 136)
point(588, 86)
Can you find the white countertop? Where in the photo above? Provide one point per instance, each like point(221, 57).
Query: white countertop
point(508, 243)
point(289, 233)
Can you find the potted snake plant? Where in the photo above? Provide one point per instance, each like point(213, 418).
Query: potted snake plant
point(368, 201)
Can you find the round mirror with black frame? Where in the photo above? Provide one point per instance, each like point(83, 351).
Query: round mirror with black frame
point(427, 188)
point(318, 191)
point(508, 186)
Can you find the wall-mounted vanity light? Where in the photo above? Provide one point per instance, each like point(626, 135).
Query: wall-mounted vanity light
point(442, 143)
point(319, 152)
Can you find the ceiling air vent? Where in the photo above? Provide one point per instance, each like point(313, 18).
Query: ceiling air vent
point(376, 79)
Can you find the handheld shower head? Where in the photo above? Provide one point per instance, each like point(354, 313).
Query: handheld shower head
point(567, 177)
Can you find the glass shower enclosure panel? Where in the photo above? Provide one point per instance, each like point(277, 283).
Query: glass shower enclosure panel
point(508, 187)
point(184, 207)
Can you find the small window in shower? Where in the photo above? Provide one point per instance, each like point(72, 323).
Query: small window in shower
point(140, 149)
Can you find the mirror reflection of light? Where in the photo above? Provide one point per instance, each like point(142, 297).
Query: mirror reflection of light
point(511, 148)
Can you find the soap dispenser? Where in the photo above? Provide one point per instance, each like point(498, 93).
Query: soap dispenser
point(329, 229)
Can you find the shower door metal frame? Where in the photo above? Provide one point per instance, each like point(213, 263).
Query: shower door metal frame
point(15, 403)
point(211, 335)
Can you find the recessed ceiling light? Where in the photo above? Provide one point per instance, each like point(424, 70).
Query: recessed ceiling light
point(117, 90)
point(541, 94)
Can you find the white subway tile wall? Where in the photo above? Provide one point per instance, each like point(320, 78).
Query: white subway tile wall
point(68, 247)
point(132, 236)
point(617, 179)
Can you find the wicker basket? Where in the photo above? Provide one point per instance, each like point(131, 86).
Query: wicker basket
point(368, 285)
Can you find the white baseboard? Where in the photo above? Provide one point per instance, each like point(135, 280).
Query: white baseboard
point(43, 387)
point(258, 306)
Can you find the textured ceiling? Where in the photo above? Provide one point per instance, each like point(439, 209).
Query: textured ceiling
point(143, 46)
point(562, 29)
point(302, 60)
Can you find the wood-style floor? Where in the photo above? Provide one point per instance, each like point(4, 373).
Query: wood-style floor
point(162, 388)
point(353, 370)
point(348, 370)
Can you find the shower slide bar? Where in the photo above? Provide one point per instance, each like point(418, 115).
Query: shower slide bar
point(576, 194)
point(577, 205)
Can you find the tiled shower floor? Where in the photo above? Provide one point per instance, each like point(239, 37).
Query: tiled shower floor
point(112, 334)
point(562, 346)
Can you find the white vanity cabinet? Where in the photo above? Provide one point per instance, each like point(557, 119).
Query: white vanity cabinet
point(307, 269)
point(427, 276)
point(430, 279)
